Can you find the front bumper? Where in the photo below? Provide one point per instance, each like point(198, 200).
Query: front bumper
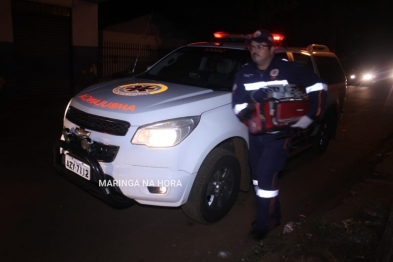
point(110, 194)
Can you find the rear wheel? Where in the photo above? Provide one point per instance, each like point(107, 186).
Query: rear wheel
point(325, 133)
point(215, 188)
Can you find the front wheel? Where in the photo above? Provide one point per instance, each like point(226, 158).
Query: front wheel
point(215, 188)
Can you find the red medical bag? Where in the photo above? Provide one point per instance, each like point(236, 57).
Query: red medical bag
point(276, 115)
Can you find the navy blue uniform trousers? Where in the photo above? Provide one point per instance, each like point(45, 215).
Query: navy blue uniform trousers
point(268, 156)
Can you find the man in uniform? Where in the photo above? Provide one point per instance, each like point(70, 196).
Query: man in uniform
point(268, 152)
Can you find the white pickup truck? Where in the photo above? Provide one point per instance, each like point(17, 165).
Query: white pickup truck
point(169, 137)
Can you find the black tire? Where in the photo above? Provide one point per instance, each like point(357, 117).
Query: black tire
point(324, 134)
point(215, 188)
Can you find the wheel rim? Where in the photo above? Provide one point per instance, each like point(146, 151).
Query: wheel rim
point(324, 136)
point(219, 188)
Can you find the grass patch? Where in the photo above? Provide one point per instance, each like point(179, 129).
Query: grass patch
point(259, 250)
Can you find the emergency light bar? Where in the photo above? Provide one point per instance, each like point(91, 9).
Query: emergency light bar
point(220, 34)
point(276, 37)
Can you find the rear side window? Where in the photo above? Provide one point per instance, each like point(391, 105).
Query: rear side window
point(282, 56)
point(330, 69)
point(303, 60)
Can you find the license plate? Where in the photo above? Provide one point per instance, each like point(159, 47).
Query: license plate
point(78, 167)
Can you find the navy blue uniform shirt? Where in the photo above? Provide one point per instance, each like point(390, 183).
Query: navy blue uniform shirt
point(249, 78)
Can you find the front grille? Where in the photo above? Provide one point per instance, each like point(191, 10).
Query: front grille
point(102, 152)
point(97, 123)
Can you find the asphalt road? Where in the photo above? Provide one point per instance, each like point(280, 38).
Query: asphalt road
point(44, 217)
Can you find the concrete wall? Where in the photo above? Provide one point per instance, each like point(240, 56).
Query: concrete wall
point(84, 44)
point(84, 24)
point(6, 34)
point(6, 39)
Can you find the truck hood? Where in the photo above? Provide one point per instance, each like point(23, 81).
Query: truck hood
point(142, 101)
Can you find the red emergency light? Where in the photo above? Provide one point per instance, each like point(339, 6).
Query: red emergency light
point(278, 37)
point(220, 34)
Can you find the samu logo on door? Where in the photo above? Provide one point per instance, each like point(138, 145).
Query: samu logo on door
point(139, 89)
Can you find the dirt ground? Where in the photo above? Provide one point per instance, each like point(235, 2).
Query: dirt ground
point(359, 228)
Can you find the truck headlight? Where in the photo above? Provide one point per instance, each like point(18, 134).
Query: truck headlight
point(166, 133)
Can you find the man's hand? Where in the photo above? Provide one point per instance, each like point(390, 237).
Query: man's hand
point(246, 113)
point(303, 122)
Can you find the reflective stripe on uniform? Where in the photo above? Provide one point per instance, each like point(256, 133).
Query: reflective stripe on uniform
point(265, 193)
point(316, 87)
point(258, 85)
point(239, 107)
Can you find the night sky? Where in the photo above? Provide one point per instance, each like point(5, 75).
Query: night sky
point(354, 30)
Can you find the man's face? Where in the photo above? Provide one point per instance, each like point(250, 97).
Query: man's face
point(261, 54)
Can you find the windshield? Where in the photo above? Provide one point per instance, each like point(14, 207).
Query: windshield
point(208, 67)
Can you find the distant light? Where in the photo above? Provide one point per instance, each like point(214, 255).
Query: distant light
point(220, 34)
point(353, 76)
